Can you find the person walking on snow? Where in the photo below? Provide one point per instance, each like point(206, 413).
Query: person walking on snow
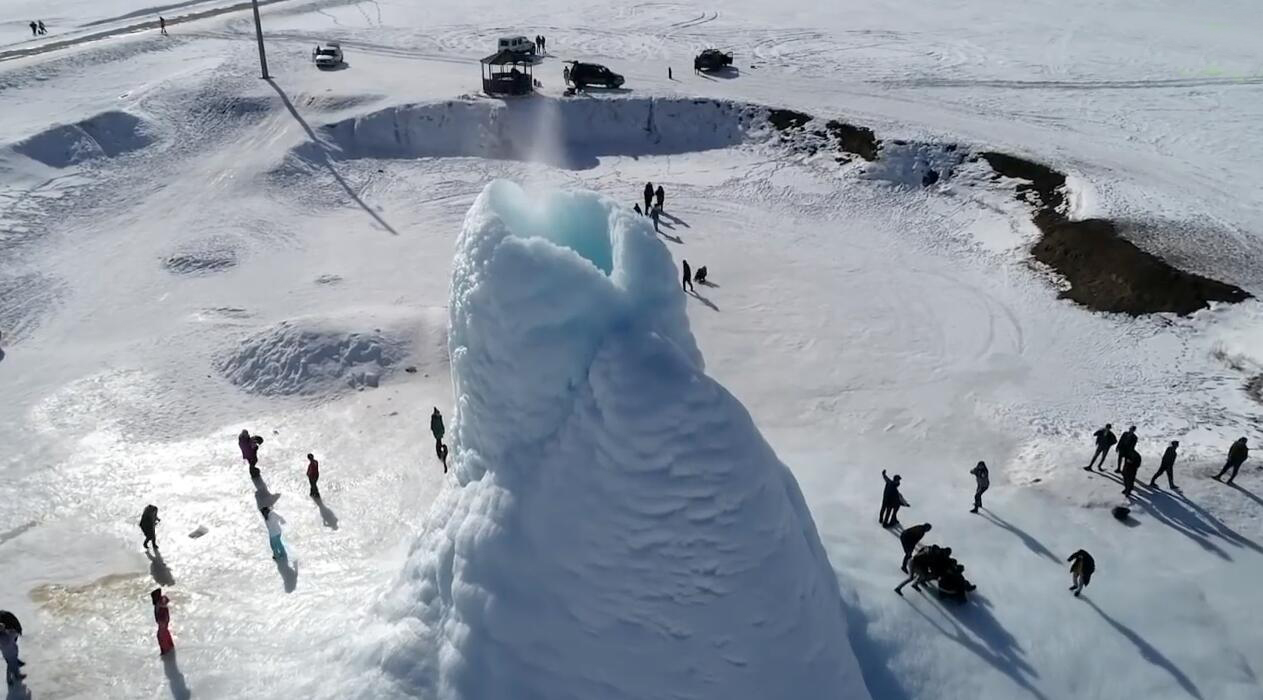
point(1131, 467)
point(1082, 565)
point(162, 615)
point(891, 500)
point(313, 475)
point(654, 214)
point(1237, 455)
point(149, 526)
point(162, 25)
point(984, 482)
point(660, 195)
point(436, 427)
point(1167, 467)
point(648, 196)
point(1126, 444)
point(42, 28)
point(910, 538)
point(34, 29)
point(687, 284)
point(273, 521)
point(250, 451)
point(1104, 441)
point(9, 649)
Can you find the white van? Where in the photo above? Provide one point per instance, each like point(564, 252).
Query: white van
point(516, 44)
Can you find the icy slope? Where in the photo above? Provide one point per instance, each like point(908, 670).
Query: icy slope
point(622, 530)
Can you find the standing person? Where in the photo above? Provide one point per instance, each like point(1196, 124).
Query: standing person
point(313, 474)
point(1104, 441)
point(648, 196)
point(1126, 443)
point(9, 649)
point(250, 451)
point(654, 214)
point(162, 615)
point(436, 426)
point(42, 28)
point(1237, 455)
point(669, 76)
point(983, 480)
point(543, 44)
point(273, 520)
point(162, 25)
point(910, 538)
point(1131, 466)
point(34, 29)
point(660, 195)
point(687, 284)
point(891, 500)
point(1167, 467)
point(149, 526)
point(1082, 565)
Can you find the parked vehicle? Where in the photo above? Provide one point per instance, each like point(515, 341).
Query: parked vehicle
point(583, 75)
point(516, 44)
point(327, 56)
point(711, 60)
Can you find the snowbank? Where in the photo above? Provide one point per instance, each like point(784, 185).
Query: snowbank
point(322, 354)
point(105, 135)
point(569, 133)
point(621, 529)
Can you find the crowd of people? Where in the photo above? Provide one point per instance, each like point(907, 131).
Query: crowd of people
point(934, 564)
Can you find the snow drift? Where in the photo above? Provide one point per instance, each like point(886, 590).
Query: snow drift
point(621, 529)
point(105, 135)
point(322, 354)
point(570, 133)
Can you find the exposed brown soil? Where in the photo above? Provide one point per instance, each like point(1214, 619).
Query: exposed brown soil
point(854, 139)
point(1106, 271)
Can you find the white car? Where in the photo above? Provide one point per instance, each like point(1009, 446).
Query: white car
point(327, 56)
point(516, 44)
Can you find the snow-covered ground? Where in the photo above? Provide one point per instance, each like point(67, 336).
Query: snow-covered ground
point(186, 251)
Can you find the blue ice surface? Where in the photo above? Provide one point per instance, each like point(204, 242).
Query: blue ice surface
point(578, 223)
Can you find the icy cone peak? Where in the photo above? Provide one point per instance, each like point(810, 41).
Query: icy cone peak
point(621, 529)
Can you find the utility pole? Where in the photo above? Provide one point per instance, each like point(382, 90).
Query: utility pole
point(258, 32)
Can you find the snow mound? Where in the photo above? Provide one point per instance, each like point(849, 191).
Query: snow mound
point(570, 133)
point(621, 529)
point(210, 255)
point(323, 354)
point(105, 135)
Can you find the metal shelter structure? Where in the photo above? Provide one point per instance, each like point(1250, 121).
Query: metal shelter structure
point(508, 73)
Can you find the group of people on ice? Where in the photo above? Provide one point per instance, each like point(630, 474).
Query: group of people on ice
point(926, 564)
point(1128, 462)
point(654, 201)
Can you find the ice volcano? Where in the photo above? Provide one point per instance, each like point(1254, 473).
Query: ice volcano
point(620, 528)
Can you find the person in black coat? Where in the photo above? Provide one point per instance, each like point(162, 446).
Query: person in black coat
point(1104, 441)
point(660, 195)
point(891, 500)
point(648, 196)
point(1082, 566)
point(1237, 454)
point(687, 284)
point(910, 538)
point(149, 526)
point(1126, 443)
point(1167, 467)
point(1131, 466)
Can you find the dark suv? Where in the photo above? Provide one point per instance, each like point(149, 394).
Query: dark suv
point(593, 75)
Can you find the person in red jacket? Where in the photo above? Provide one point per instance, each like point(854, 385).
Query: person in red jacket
point(162, 615)
point(313, 473)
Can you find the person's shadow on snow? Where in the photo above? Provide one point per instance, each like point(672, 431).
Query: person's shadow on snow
point(158, 569)
point(326, 514)
point(175, 677)
point(704, 300)
point(1031, 543)
point(1148, 652)
point(993, 644)
point(262, 497)
point(288, 572)
point(18, 691)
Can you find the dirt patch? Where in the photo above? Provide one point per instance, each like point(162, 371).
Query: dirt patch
point(786, 119)
point(1106, 271)
point(854, 139)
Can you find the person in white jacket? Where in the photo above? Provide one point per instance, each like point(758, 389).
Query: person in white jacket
point(273, 520)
